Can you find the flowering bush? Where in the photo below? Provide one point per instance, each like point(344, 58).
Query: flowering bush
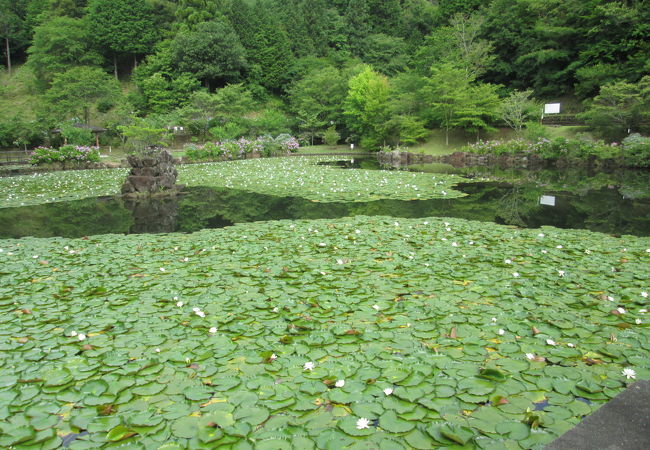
point(546, 148)
point(233, 149)
point(66, 153)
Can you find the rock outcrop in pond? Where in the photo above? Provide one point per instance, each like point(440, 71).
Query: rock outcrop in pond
point(152, 172)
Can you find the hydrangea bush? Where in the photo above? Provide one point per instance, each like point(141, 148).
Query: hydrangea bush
point(66, 153)
point(237, 149)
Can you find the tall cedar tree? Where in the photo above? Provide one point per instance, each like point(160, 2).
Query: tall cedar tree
point(123, 27)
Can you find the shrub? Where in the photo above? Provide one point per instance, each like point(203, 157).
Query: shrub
point(547, 149)
point(233, 149)
point(331, 136)
point(66, 153)
point(636, 150)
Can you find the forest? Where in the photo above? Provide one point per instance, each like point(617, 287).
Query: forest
point(373, 72)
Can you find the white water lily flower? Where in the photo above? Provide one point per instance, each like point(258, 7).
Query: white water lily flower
point(273, 357)
point(610, 298)
point(629, 373)
point(454, 244)
point(157, 350)
point(308, 366)
point(561, 273)
point(200, 313)
point(213, 330)
point(339, 261)
point(570, 345)
point(621, 310)
point(501, 332)
point(81, 337)
point(530, 356)
point(73, 333)
point(186, 259)
point(551, 342)
point(388, 391)
point(638, 321)
point(179, 304)
point(544, 251)
point(375, 307)
point(357, 231)
point(515, 274)
point(644, 294)
point(339, 383)
point(643, 311)
point(425, 223)
point(276, 309)
point(363, 423)
point(647, 250)
point(494, 319)
point(508, 261)
point(559, 246)
point(397, 224)
point(162, 269)
point(541, 235)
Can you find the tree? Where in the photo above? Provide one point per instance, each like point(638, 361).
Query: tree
point(227, 105)
point(11, 27)
point(74, 92)
point(459, 44)
point(366, 107)
point(454, 101)
point(619, 108)
point(58, 44)
point(270, 55)
point(518, 108)
point(212, 53)
point(387, 54)
point(122, 27)
point(318, 97)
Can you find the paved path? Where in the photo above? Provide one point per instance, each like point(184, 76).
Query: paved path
point(623, 423)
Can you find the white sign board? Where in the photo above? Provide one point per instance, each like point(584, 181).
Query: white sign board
point(552, 108)
point(548, 200)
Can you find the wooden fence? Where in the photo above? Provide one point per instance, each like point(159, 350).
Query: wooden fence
point(13, 157)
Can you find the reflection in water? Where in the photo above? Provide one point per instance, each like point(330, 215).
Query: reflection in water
point(605, 210)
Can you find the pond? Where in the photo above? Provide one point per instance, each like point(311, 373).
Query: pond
point(616, 203)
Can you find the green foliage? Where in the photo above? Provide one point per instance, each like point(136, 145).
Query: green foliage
point(454, 101)
point(212, 53)
point(270, 57)
point(122, 26)
point(365, 107)
point(571, 149)
point(459, 44)
point(73, 93)
point(164, 94)
point(636, 150)
point(317, 98)
point(59, 44)
point(17, 131)
point(331, 136)
point(619, 108)
point(519, 108)
point(535, 131)
point(142, 134)
point(75, 135)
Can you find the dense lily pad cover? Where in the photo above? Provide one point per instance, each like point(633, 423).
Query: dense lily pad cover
point(296, 176)
point(364, 332)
